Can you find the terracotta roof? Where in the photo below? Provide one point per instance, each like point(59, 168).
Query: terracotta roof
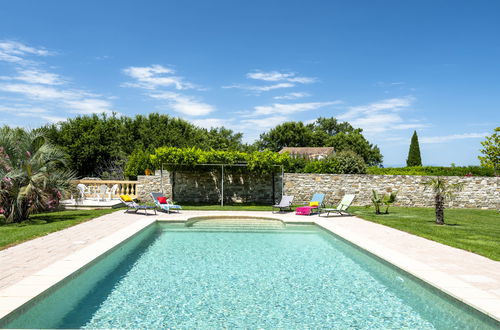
point(308, 150)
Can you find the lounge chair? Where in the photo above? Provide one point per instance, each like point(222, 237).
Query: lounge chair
point(341, 209)
point(284, 204)
point(315, 204)
point(132, 205)
point(167, 206)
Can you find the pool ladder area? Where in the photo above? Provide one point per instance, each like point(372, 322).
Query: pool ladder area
point(235, 224)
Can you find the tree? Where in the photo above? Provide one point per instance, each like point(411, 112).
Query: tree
point(491, 151)
point(289, 134)
point(33, 174)
point(442, 191)
point(324, 132)
point(414, 158)
point(97, 143)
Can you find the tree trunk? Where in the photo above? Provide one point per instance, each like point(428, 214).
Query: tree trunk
point(439, 209)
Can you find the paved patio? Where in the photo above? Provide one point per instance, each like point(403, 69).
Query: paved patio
point(30, 268)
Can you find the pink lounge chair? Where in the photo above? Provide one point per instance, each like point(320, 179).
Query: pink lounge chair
point(304, 210)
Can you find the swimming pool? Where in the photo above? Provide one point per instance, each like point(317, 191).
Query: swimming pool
point(173, 276)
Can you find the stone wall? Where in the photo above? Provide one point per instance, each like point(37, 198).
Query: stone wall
point(205, 187)
point(478, 192)
point(153, 183)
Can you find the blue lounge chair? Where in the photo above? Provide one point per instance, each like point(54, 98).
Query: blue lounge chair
point(308, 209)
point(168, 206)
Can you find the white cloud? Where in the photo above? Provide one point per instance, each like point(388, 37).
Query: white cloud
point(90, 106)
point(187, 105)
point(159, 79)
point(265, 88)
point(263, 123)
point(39, 92)
point(292, 96)
point(279, 80)
point(394, 104)
point(286, 109)
point(26, 111)
point(154, 76)
point(34, 76)
point(14, 52)
point(279, 76)
point(270, 87)
point(43, 89)
point(452, 137)
point(381, 116)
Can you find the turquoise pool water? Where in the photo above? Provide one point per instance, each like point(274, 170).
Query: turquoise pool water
point(170, 276)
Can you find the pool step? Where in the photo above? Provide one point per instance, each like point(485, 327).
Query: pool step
point(238, 224)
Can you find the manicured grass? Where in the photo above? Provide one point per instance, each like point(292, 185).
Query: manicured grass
point(43, 224)
point(473, 230)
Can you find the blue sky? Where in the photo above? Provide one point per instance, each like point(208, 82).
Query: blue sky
point(389, 67)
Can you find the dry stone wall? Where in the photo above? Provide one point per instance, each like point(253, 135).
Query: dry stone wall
point(153, 183)
point(205, 187)
point(479, 192)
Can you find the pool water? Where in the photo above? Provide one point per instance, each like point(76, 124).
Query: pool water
point(170, 276)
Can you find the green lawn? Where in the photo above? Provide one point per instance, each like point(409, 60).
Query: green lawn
point(473, 230)
point(43, 224)
point(477, 231)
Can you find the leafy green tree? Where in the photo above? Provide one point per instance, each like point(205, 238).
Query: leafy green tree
point(138, 162)
point(34, 174)
point(414, 158)
point(491, 151)
point(89, 141)
point(324, 132)
point(93, 141)
point(289, 134)
point(443, 190)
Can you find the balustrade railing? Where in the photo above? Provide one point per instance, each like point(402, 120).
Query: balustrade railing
point(93, 188)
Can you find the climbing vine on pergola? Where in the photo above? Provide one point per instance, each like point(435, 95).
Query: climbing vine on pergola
point(175, 159)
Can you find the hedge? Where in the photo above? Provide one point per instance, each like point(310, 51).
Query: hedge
point(433, 171)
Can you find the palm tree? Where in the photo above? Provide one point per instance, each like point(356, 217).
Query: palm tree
point(442, 191)
point(33, 174)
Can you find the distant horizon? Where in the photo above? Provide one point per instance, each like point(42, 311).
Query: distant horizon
point(389, 68)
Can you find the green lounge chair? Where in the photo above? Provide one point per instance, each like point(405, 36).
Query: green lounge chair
point(341, 209)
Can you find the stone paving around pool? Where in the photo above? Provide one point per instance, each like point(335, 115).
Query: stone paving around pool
point(28, 269)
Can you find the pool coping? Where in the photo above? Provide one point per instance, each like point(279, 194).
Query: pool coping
point(20, 295)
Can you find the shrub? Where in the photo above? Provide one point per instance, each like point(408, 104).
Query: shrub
point(433, 171)
point(33, 174)
point(350, 162)
point(138, 163)
point(344, 162)
point(379, 200)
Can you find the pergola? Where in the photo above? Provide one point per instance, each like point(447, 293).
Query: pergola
point(222, 175)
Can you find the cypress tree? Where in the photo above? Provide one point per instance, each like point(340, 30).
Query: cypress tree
point(414, 158)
